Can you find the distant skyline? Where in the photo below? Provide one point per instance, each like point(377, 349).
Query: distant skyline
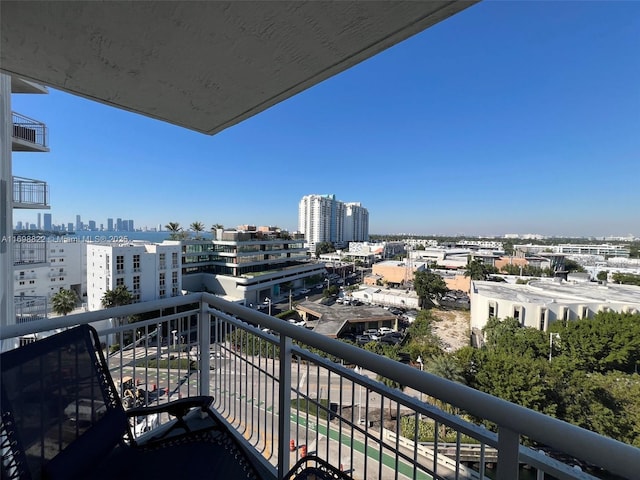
point(510, 117)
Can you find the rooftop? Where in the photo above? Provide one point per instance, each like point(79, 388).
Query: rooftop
point(547, 291)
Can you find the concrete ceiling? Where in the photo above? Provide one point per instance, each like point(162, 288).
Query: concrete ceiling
point(203, 65)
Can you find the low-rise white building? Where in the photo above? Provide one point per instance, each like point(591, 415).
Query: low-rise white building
point(43, 268)
point(390, 297)
point(149, 271)
point(541, 302)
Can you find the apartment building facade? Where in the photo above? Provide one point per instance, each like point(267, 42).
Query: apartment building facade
point(149, 271)
point(322, 218)
point(43, 268)
point(541, 302)
point(19, 134)
point(248, 266)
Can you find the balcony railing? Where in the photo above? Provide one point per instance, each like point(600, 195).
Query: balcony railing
point(281, 396)
point(32, 250)
point(30, 193)
point(30, 309)
point(28, 131)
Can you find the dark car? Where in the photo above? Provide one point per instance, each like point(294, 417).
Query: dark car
point(363, 339)
point(390, 339)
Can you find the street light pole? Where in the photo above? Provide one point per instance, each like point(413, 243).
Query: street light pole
point(269, 300)
point(551, 337)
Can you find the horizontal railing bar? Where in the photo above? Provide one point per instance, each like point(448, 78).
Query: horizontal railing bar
point(614, 456)
point(578, 442)
point(65, 321)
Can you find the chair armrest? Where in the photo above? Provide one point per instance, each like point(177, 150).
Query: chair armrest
point(178, 408)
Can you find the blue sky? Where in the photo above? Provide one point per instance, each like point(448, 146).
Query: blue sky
point(510, 117)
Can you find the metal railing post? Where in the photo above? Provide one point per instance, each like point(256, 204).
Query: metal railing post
point(508, 454)
point(284, 406)
point(204, 334)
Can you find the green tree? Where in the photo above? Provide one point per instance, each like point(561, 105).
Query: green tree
point(175, 231)
point(197, 227)
point(115, 298)
point(476, 270)
point(572, 266)
point(602, 275)
point(324, 247)
point(64, 301)
point(518, 379)
point(508, 248)
point(429, 287)
point(626, 278)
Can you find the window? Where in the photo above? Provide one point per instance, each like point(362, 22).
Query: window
point(493, 310)
point(174, 278)
point(136, 263)
point(119, 282)
point(120, 264)
point(161, 280)
point(174, 260)
point(518, 314)
point(136, 284)
point(543, 319)
point(163, 261)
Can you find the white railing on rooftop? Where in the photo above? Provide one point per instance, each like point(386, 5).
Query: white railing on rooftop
point(273, 389)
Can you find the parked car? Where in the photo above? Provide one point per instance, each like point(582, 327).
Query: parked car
point(304, 291)
point(363, 339)
point(391, 339)
point(373, 333)
point(385, 330)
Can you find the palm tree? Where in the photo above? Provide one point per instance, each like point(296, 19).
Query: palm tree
point(115, 298)
point(175, 230)
point(476, 270)
point(445, 366)
point(391, 384)
point(197, 227)
point(64, 301)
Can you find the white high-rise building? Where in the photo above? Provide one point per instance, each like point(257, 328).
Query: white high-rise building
point(322, 218)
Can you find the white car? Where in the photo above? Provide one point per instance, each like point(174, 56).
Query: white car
point(304, 291)
point(385, 330)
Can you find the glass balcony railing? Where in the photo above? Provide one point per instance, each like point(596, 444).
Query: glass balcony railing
point(30, 193)
point(289, 391)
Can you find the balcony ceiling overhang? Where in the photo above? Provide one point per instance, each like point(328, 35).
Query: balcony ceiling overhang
point(202, 65)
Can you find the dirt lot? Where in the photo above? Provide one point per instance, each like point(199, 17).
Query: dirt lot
point(453, 327)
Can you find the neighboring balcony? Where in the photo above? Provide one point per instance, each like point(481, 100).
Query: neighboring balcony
point(29, 135)
point(28, 253)
point(30, 193)
point(287, 391)
point(30, 308)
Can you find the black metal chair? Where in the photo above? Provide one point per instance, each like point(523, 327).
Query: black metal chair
point(314, 468)
point(62, 418)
